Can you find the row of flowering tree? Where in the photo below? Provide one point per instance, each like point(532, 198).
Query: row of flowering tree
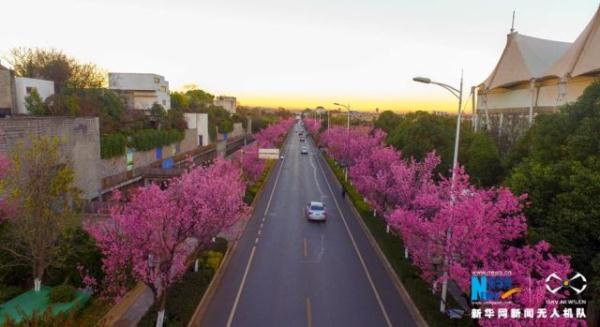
point(150, 237)
point(269, 137)
point(451, 229)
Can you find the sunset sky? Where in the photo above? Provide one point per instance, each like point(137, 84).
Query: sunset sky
point(294, 53)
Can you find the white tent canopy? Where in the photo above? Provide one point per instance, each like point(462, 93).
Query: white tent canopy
point(524, 58)
point(584, 56)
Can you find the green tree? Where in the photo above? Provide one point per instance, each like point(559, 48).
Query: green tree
point(179, 101)
point(482, 160)
point(40, 185)
point(54, 65)
point(35, 104)
point(388, 121)
point(420, 133)
point(557, 164)
point(102, 103)
point(76, 255)
point(158, 113)
point(198, 99)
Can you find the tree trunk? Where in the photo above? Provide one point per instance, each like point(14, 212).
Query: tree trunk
point(37, 284)
point(160, 319)
point(37, 280)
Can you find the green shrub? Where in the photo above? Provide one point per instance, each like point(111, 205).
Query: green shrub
point(220, 245)
point(183, 297)
point(212, 259)
point(112, 145)
point(62, 294)
point(9, 292)
point(148, 139)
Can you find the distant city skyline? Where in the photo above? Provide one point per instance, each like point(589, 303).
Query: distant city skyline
point(295, 54)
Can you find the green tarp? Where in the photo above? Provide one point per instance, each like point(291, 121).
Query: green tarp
point(31, 301)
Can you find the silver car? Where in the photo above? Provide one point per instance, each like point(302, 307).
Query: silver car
point(304, 150)
point(315, 211)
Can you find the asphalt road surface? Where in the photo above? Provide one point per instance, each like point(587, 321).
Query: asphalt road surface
point(287, 271)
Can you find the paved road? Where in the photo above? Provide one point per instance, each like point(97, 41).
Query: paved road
point(289, 272)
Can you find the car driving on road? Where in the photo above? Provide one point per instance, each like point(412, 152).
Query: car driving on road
point(304, 150)
point(315, 211)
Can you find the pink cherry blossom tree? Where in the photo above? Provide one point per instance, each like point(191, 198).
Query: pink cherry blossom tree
point(270, 136)
point(273, 135)
point(312, 125)
point(252, 166)
point(452, 229)
point(151, 237)
point(346, 146)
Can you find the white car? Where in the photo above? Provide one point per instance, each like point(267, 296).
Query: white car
point(304, 150)
point(315, 211)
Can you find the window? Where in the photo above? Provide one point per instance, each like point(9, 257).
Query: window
point(156, 80)
point(163, 88)
point(30, 89)
point(164, 102)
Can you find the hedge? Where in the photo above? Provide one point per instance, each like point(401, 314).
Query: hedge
point(112, 145)
point(148, 139)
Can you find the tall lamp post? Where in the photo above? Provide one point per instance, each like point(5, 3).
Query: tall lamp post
point(458, 93)
point(347, 107)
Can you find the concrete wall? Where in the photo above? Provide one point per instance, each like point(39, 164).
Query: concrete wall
point(117, 165)
point(24, 87)
point(238, 130)
point(7, 90)
point(228, 103)
point(80, 143)
point(199, 122)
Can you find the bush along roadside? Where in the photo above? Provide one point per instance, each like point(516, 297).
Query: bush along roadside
point(391, 245)
point(187, 293)
point(252, 190)
point(116, 144)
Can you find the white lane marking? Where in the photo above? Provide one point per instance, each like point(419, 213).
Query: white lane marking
point(308, 313)
point(315, 176)
point(360, 257)
point(320, 254)
point(239, 292)
point(305, 248)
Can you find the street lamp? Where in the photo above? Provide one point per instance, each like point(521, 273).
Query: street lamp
point(458, 93)
point(347, 107)
point(347, 132)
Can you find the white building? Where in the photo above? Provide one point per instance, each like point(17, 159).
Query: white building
point(534, 76)
point(140, 91)
point(228, 103)
point(199, 122)
point(24, 86)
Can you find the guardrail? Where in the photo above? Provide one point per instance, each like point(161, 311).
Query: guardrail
point(201, 155)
